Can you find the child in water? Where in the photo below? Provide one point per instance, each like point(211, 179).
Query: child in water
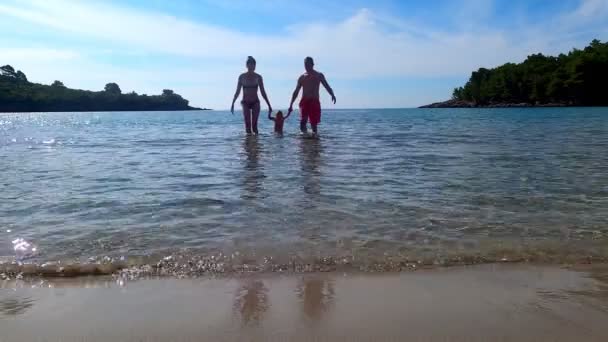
point(278, 121)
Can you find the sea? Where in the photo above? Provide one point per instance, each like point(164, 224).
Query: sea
point(189, 193)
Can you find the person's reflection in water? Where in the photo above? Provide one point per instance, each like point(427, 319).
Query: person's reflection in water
point(317, 296)
point(254, 174)
point(251, 301)
point(15, 306)
point(311, 151)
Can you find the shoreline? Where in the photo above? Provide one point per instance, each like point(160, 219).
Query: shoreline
point(467, 104)
point(170, 268)
point(303, 259)
point(344, 256)
point(466, 303)
point(110, 111)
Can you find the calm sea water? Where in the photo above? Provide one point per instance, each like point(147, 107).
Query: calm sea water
point(379, 186)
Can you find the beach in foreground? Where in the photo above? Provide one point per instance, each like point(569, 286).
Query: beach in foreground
point(480, 303)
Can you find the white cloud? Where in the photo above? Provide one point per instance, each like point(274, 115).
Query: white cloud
point(359, 46)
point(592, 8)
point(153, 31)
point(21, 55)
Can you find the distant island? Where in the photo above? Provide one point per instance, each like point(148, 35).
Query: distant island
point(17, 94)
point(579, 78)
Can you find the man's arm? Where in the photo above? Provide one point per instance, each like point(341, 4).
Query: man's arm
point(236, 94)
point(327, 87)
point(295, 95)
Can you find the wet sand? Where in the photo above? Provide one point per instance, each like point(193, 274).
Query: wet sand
point(480, 303)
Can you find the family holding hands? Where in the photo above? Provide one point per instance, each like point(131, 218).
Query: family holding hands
point(310, 106)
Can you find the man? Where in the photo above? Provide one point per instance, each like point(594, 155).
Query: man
point(310, 107)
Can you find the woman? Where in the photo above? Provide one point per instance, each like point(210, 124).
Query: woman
point(250, 81)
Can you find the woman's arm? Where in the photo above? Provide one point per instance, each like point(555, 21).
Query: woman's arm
point(239, 85)
point(264, 96)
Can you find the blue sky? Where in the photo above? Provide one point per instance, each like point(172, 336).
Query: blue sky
point(381, 53)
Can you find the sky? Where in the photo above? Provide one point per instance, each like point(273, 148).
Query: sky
point(375, 54)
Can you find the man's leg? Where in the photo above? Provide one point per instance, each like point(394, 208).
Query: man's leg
point(303, 116)
point(315, 115)
point(303, 127)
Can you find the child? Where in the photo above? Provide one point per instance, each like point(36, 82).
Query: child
point(278, 121)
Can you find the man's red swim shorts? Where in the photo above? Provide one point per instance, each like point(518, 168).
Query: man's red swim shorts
point(310, 109)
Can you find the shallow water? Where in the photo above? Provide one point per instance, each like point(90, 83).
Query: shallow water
point(378, 185)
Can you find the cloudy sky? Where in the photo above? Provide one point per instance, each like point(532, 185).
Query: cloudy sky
point(380, 53)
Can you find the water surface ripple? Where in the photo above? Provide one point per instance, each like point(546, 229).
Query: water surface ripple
point(397, 183)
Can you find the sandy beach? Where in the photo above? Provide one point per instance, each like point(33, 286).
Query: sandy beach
point(480, 303)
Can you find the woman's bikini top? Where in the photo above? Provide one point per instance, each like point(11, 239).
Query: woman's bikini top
point(252, 85)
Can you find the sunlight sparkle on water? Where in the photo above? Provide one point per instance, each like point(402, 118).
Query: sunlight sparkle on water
point(23, 248)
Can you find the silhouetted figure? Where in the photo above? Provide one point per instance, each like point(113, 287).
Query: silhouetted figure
point(15, 306)
point(310, 106)
point(253, 171)
point(310, 163)
point(317, 295)
point(278, 121)
point(251, 301)
point(250, 82)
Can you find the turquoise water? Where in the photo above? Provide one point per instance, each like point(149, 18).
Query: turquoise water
point(378, 186)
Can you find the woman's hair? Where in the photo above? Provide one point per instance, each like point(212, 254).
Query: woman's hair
point(251, 60)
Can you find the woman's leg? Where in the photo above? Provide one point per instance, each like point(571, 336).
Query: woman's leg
point(247, 117)
point(255, 114)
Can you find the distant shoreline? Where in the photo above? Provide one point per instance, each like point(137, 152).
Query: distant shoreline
point(567, 80)
point(107, 111)
point(18, 95)
point(468, 104)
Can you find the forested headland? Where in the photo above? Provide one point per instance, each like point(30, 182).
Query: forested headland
point(579, 78)
point(17, 94)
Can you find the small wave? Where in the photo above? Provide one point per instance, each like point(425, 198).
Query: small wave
point(19, 270)
point(23, 248)
point(77, 207)
point(192, 264)
point(112, 180)
point(192, 202)
point(165, 142)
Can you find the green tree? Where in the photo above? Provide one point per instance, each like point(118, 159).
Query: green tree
point(21, 76)
point(579, 77)
point(112, 88)
point(458, 93)
point(8, 71)
point(19, 95)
